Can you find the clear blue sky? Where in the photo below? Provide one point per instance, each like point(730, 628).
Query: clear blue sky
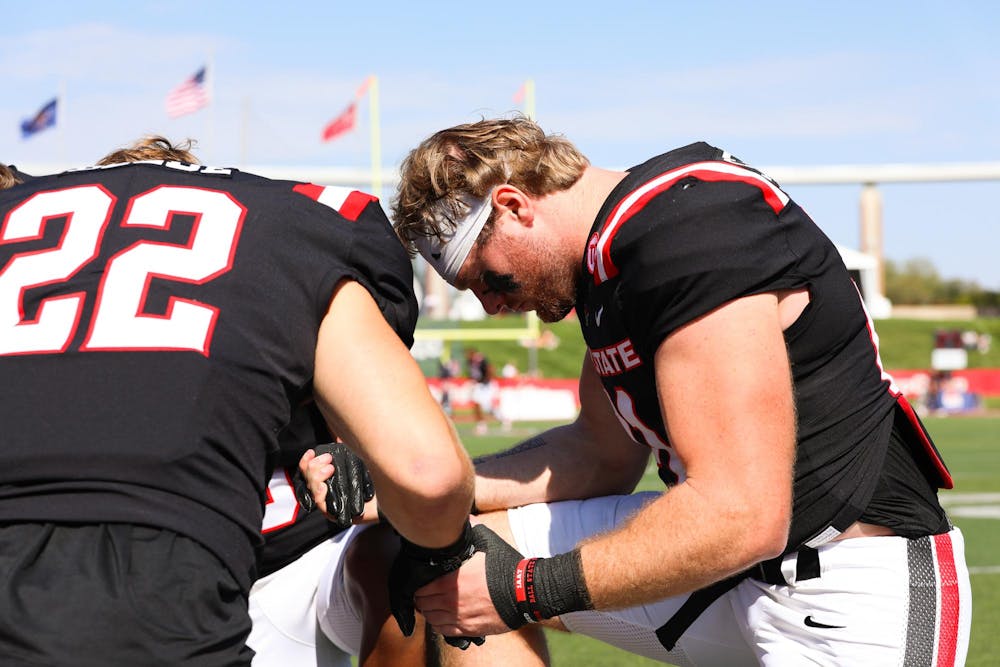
point(776, 83)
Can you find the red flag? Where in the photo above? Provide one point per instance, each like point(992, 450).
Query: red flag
point(342, 123)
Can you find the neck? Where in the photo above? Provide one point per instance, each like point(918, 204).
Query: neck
point(585, 199)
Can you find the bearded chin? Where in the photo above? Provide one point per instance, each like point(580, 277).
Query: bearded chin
point(554, 311)
point(559, 298)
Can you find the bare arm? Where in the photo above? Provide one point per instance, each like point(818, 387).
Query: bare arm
point(376, 399)
point(589, 457)
point(725, 389)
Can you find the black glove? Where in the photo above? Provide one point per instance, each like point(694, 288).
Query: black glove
point(417, 566)
point(347, 490)
point(464, 642)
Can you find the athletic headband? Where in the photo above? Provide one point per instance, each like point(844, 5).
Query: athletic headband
point(448, 253)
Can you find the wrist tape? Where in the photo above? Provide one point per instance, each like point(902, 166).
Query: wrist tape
point(547, 587)
point(446, 558)
point(527, 590)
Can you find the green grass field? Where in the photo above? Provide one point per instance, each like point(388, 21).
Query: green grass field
point(971, 447)
point(904, 344)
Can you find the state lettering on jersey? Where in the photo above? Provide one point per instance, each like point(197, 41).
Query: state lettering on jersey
point(616, 358)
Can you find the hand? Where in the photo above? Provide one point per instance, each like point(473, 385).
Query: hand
point(415, 566)
point(463, 602)
point(459, 604)
point(334, 479)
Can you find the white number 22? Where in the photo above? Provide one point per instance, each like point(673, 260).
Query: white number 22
point(119, 322)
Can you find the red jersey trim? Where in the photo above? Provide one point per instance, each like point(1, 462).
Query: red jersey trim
point(944, 480)
point(634, 202)
point(349, 203)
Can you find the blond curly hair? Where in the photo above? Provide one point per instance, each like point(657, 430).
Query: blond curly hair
point(470, 160)
point(152, 147)
point(8, 178)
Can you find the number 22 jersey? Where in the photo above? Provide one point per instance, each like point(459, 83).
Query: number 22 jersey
point(158, 327)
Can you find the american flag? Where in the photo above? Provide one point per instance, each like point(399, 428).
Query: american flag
point(189, 96)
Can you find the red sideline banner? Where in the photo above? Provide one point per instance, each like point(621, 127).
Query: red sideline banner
point(532, 399)
point(513, 399)
point(981, 381)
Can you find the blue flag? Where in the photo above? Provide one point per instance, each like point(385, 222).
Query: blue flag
point(45, 118)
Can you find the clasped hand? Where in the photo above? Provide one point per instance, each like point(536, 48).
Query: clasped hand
point(332, 478)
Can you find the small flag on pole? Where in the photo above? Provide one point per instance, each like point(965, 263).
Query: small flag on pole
point(189, 96)
point(519, 93)
point(525, 95)
point(42, 120)
point(345, 122)
point(342, 123)
point(363, 88)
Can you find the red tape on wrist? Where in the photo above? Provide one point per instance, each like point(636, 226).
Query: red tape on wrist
point(524, 590)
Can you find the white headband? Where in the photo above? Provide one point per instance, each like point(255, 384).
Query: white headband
point(448, 253)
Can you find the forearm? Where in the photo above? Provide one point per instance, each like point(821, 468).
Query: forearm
point(386, 414)
point(419, 483)
point(557, 464)
point(681, 542)
point(641, 562)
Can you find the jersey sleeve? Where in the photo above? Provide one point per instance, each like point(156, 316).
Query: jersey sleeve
point(383, 266)
point(697, 245)
point(371, 254)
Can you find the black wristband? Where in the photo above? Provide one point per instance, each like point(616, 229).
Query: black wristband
point(547, 587)
point(448, 558)
point(416, 566)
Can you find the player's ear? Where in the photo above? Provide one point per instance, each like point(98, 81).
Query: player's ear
point(511, 201)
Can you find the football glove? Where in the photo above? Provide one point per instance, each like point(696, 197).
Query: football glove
point(416, 566)
point(347, 490)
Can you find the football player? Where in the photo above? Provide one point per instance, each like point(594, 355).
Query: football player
point(161, 323)
point(726, 339)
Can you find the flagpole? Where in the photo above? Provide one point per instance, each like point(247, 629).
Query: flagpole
point(244, 128)
point(375, 134)
point(529, 98)
point(210, 116)
point(61, 122)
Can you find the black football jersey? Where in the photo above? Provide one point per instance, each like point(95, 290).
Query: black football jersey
point(18, 174)
point(158, 327)
point(288, 530)
point(695, 228)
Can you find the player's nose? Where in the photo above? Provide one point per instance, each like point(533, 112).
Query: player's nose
point(492, 301)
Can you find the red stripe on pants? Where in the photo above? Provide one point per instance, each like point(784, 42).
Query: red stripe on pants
point(949, 607)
